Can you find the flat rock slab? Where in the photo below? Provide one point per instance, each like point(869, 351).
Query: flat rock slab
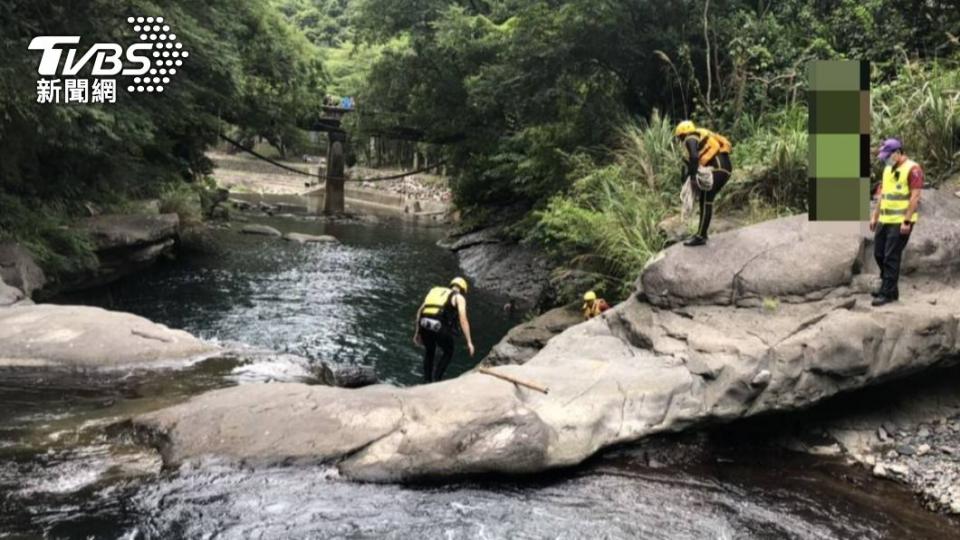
point(309, 238)
point(635, 371)
point(88, 337)
point(263, 230)
point(123, 231)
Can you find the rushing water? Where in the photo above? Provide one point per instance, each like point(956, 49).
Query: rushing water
point(68, 469)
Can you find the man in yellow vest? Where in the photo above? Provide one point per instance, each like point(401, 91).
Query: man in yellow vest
point(895, 216)
point(441, 317)
point(708, 164)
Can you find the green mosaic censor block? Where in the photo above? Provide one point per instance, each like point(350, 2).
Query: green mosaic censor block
point(843, 199)
point(834, 155)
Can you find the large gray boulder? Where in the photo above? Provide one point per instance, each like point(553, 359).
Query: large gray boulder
point(788, 258)
point(516, 271)
point(122, 231)
point(18, 268)
point(48, 335)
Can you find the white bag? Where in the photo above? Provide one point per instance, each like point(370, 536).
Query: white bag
point(688, 195)
point(705, 178)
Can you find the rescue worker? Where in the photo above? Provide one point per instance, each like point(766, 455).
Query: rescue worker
point(895, 216)
point(441, 317)
point(593, 306)
point(707, 153)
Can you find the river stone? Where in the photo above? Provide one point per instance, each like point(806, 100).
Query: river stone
point(308, 238)
point(524, 341)
point(18, 268)
point(9, 295)
point(123, 231)
point(48, 335)
point(264, 230)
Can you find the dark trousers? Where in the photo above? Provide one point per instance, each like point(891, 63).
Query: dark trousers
point(721, 174)
point(433, 371)
point(888, 246)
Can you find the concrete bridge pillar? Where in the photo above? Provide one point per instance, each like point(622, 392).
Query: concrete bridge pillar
point(333, 200)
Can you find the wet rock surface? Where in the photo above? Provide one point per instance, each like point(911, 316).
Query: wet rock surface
point(516, 271)
point(907, 431)
point(79, 337)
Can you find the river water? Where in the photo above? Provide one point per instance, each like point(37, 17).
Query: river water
point(69, 469)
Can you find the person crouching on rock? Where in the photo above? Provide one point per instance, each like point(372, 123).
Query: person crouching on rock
point(593, 306)
point(441, 317)
point(708, 167)
point(894, 217)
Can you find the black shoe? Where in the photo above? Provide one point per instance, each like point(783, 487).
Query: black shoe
point(876, 293)
point(882, 300)
point(696, 241)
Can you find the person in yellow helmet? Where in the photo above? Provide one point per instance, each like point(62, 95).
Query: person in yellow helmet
point(707, 154)
point(593, 306)
point(441, 317)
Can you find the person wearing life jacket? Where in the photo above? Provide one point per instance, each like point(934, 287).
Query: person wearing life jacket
point(895, 216)
point(708, 165)
point(593, 306)
point(441, 317)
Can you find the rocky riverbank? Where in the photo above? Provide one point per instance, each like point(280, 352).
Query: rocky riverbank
point(492, 262)
point(700, 344)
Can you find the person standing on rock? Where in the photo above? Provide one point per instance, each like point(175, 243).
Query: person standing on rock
point(708, 166)
point(895, 216)
point(440, 318)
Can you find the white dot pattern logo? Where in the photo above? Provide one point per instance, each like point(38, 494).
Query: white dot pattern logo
point(167, 51)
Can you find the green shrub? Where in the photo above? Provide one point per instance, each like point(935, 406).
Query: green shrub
point(603, 231)
point(43, 228)
point(183, 200)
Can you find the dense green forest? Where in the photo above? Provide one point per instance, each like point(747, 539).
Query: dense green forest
point(554, 115)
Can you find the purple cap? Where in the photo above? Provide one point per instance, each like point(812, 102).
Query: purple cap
point(888, 147)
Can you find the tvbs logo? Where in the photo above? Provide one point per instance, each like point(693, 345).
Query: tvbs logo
point(151, 63)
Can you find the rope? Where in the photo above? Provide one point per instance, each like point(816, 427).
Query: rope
point(264, 158)
point(305, 173)
point(396, 176)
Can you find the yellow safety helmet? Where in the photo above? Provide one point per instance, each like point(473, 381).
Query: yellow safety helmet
point(459, 282)
point(684, 128)
point(589, 296)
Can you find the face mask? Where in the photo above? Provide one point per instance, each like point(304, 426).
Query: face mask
point(891, 161)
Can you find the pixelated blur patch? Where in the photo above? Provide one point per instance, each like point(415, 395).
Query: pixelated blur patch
point(838, 102)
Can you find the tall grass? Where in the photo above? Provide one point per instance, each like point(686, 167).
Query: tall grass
point(922, 108)
point(770, 163)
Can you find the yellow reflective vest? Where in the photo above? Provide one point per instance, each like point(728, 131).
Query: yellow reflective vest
point(895, 194)
point(711, 144)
